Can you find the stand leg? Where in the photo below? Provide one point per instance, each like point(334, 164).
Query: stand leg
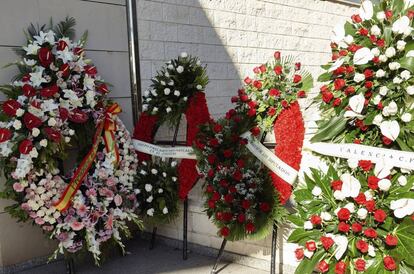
point(273, 255)
point(220, 254)
point(185, 228)
point(153, 236)
point(70, 266)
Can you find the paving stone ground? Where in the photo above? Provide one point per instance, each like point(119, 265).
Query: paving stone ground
point(140, 260)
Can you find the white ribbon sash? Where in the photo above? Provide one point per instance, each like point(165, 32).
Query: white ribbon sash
point(270, 160)
point(180, 152)
point(396, 158)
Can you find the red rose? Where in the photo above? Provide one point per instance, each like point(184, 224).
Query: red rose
point(256, 70)
point(349, 90)
point(324, 88)
point(327, 242)
point(271, 111)
point(339, 83)
point(369, 85)
point(278, 70)
point(28, 90)
point(323, 267)
point(386, 140)
point(250, 228)
point(391, 240)
point(298, 66)
point(5, 135)
point(344, 214)
point(301, 94)
point(299, 253)
point(10, 107)
point(360, 199)
point(219, 216)
point(61, 45)
point(363, 32)
point(274, 92)
point(285, 103)
point(343, 52)
point(234, 99)
point(31, 121)
point(388, 14)
point(327, 96)
point(224, 183)
point(90, 70)
point(373, 182)
point(252, 104)
point(380, 43)
point(336, 185)
point(337, 102)
point(340, 268)
point(209, 189)
point(255, 131)
point(360, 265)
point(264, 207)
point(65, 70)
point(245, 204)
point(78, 116)
point(25, 146)
point(227, 216)
point(343, 227)
point(227, 153)
point(211, 159)
point(277, 55)
point(247, 80)
point(240, 163)
point(225, 231)
point(315, 220)
point(241, 218)
point(356, 18)
point(251, 112)
point(257, 84)
point(217, 128)
point(370, 205)
point(410, 14)
point(380, 215)
point(213, 142)
point(49, 91)
point(45, 57)
point(262, 68)
point(216, 196)
point(362, 246)
point(297, 78)
point(244, 98)
point(368, 73)
point(210, 173)
point(237, 175)
point(370, 233)
point(356, 227)
point(310, 245)
point(53, 134)
point(389, 263)
point(63, 113)
point(365, 165)
point(211, 204)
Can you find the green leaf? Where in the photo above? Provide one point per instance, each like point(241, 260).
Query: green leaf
point(407, 63)
point(325, 77)
point(301, 236)
point(388, 35)
point(405, 248)
point(349, 29)
point(296, 220)
point(308, 265)
point(331, 129)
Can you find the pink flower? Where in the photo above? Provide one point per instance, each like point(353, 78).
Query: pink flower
point(76, 226)
point(39, 221)
point(118, 200)
point(82, 209)
point(18, 187)
point(110, 222)
point(111, 181)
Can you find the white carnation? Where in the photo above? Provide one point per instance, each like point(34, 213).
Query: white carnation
point(19, 112)
point(410, 90)
point(383, 58)
point(167, 91)
point(406, 117)
point(43, 143)
point(383, 90)
point(390, 52)
point(384, 184)
point(362, 213)
point(397, 80)
point(375, 30)
point(165, 210)
point(51, 122)
point(394, 65)
point(180, 69)
point(148, 187)
point(381, 15)
point(35, 132)
point(150, 212)
point(154, 171)
point(377, 119)
point(177, 93)
point(168, 109)
point(17, 124)
point(405, 75)
point(401, 45)
point(359, 77)
point(326, 216)
point(380, 73)
point(184, 55)
point(149, 199)
point(402, 180)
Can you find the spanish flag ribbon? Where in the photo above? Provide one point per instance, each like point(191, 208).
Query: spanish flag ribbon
point(108, 127)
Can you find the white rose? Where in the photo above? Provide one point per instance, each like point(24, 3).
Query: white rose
point(369, 195)
point(397, 80)
point(199, 87)
point(406, 117)
point(307, 225)
point(155, 109)
point(144, 107)
point(185, 99)
point(383, 90)
point(17, 124)
point(376, 51)
point(51, 122)
point(353, 163)
point(148, 187)
point(410, 90)
point(316, 191)
point(377, 99)
point(19, 112)
point(168, 109)
point(150, 212)
point(349, 39)
point(171, 83)
point(162, 83)
point(350, 207)
point(402, 180)
point(154, 171)
point(339, 195)
point(381, 15)
point(390, 52)
point(67, 139)
point(405, 75)
point(180, 69)
point(380, 73)
point(377, 119)
point(184, 55)
point(35, 132)
point(165, 210)
point(149, 199)
point(384, 184)
point(383, 58)
point(326, 216)
point(362, 213)
point(43, 143)
point(160, 190)
point(392, 108)
point(177, 93)
point(71, 132)
point(401, 45)
point(375, 30)
point(359, 77)
point(33, 153)
point(170, 67)
point(167, 91)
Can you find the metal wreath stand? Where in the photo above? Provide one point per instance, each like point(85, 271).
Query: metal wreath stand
point(274, 234)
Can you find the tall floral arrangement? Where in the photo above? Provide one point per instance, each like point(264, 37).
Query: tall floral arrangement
point(56, 103)
point(357, 218)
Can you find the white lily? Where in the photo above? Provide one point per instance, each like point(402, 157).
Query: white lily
point(363, 56)
point(37, 77)
point(31, 49)
point(357, 105)
point(390, 129)
point(65, 55)
point(408, 3)
point(338, 33)
point(45, 37)
point(366, 11)
point(350, 185)
point(402, 207)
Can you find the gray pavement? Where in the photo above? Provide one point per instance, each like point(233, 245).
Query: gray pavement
point(141, 260)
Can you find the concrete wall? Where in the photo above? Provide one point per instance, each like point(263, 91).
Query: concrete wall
point(232, 37)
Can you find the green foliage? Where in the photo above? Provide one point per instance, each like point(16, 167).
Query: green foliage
point(66, 28)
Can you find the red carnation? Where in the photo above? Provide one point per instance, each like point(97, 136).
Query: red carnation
point(271, 111)
point(240, 163)
point(224, 183)
point(327, 96)
point(65, 70)
point(28, 90)
point(316, 220)
point(90, 70)
point(360, 265)
point(301, 94)
point(373, 182)
point(343, 227)
point(251, 112)
point(225, 231)
point(211, 159)
point(237, 175)
point(278, 70)
point(45, 57)
point(344, 214)
point(255, 131)
point(336, 185)
point(299, 253)
point(5, 135)
point(227, 216)
point(380, 215)
point(277, 55)
point(274, 92)
point(356, 227)
point(297, 78)
point(209, 189)
point(257, 84)
point(310, 245)
point(391, 240)
point(337, 102)
point(252, 104)
point(389, 263)
point(370, 233)
point(366, 165)
point(250, 228)
point(360, 199)
point(245, 204)
point(362, 246)
point(244, 98)
point(78, 116)
point(31, 121)
point(349, 90)
point(213, 142)
point(227, 153)
point(61, 45)
point(241, 218)
point(388, 14)
point(216, 196)
point(264, 207)
point(370, 205)
point(234, 99)
point(339, 83)
point(356, 18)
point(327, 242)
point(323, 267)
point(210, 173)
point(10, 107)
point(247, 80)
point(53, 134)
point(340, 268)
point(25, 146)
point(49, 91)
point(217, 128)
